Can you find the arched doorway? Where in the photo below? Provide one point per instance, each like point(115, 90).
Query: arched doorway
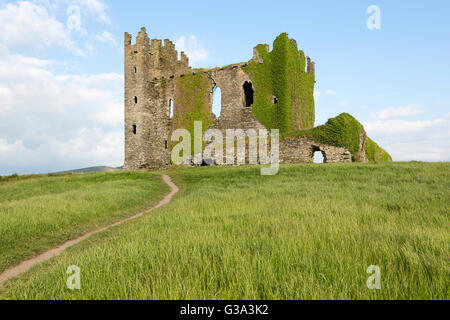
point(318, 156)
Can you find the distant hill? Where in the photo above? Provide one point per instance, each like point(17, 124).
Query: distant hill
point(91, 170)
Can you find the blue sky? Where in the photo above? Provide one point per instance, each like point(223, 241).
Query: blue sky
point(61, 84)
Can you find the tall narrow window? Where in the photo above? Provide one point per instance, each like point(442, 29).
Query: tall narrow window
point(134, 129)
point(135, 100)
point(248, 90)
point(217, 101)
point(170, 108)
point(166, 144)
point(135, 70)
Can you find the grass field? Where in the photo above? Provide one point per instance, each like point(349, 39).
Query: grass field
point(40, 213)
point(310, 232)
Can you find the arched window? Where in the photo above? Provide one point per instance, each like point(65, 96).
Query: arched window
point(217, 101)
point(170, 108)
point(134, 129)
point(135, 100)
point(248, 90)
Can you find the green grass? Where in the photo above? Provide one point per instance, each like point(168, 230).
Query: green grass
point(90, 170)
point(44, 212)
point(310, 232)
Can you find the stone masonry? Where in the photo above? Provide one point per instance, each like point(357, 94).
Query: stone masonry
point(151, 72)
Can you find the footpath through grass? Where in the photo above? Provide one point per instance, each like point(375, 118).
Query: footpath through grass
point(310, 232)
point(42, 213)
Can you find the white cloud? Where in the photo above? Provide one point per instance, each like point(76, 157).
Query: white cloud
point(344, 103)
point(408, 111)
point(107, 38)
point(51, 122)
point(6, 98)
point(90, 147)
point(25, 25)
point(427, 140)
point(33, 26)
point(193, 48)
point(94, 7)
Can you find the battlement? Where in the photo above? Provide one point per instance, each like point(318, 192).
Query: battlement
point(162, 94)
point(256, 52)
point(306, 63)
point(274, 90)
point(310, 67)
point(157, 60)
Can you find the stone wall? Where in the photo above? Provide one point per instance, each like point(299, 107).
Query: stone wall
point(291, 151)
point(234, 114)
point(150, 68)
point(152, 77)
point(301, 150)
point(362, 156)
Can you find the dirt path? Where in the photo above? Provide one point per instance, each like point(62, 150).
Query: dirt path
point(28, 264)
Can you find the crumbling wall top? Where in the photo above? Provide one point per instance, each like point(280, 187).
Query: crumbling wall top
point(162, 59)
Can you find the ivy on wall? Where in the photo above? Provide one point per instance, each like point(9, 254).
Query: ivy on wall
point(192, 102)
point(261, 76)
point(284, 100)
point(344, 131)
point(282, 76)
point(375, 153)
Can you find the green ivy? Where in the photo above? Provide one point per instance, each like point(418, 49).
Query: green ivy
point(261, 75)
point(282, 75)
point(344, 131)
point(193, 96)
point(375, 153)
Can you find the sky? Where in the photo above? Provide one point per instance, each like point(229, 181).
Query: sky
point(61, 69)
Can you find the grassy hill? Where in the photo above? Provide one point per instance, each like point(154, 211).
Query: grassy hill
point(39, 213)
point(310, 232)
point(15, 177)
point(91, 170)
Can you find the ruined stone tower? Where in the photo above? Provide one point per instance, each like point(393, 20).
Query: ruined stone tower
point(148, 68)
point(274, 90)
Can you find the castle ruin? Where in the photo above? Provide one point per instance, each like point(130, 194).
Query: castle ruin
point(274, 90)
